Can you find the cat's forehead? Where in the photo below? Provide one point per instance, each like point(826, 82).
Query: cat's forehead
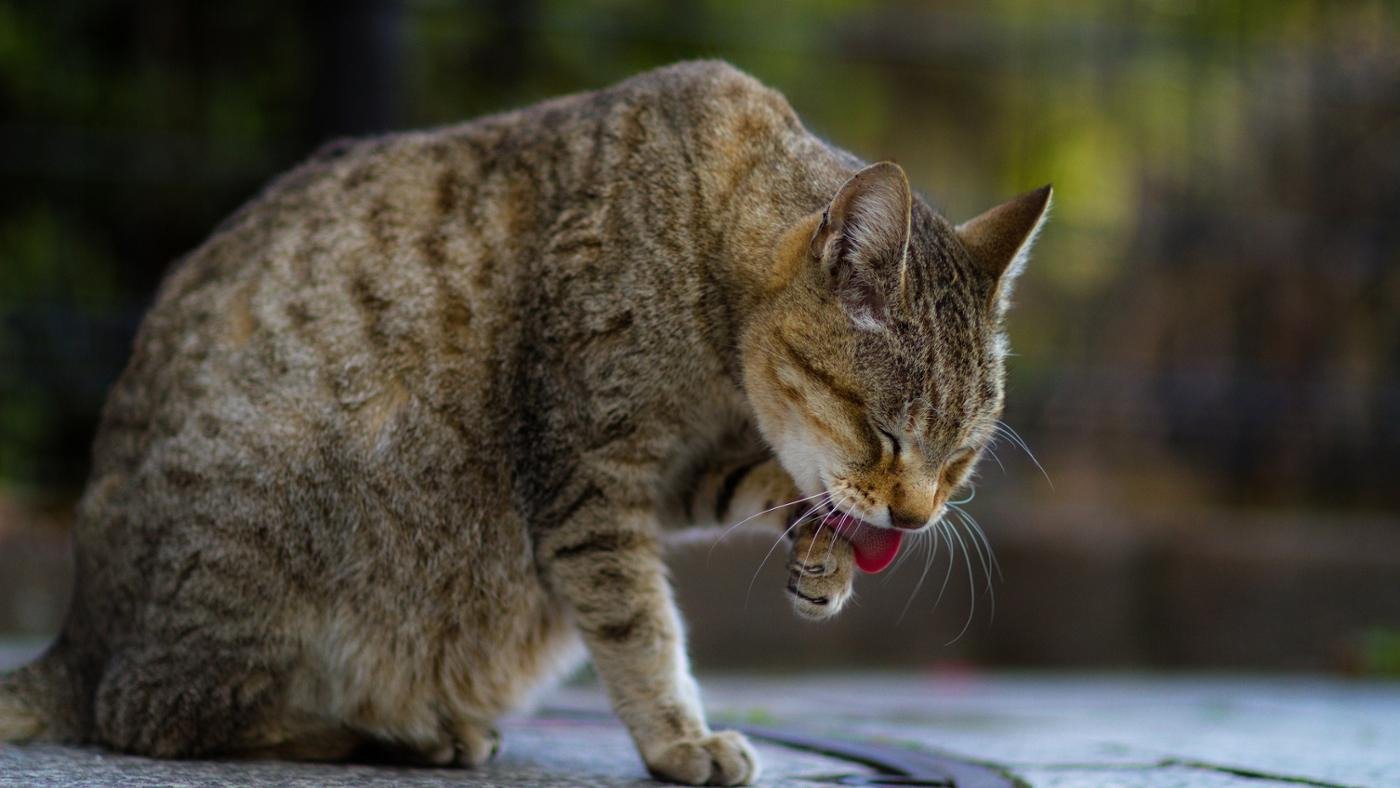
point(936, 375)
point(926, 371)
point(937, 258)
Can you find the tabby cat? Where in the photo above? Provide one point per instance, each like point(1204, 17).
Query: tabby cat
point(408, 431)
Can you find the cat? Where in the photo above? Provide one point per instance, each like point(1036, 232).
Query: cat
point(404, 437)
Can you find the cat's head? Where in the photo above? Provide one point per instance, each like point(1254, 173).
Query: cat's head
point(876, 371)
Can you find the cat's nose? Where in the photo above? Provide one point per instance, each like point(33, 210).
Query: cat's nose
point(905, 520)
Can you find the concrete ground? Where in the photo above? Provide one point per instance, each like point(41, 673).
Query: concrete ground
point(1044, 729)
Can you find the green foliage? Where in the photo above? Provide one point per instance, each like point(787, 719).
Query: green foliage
point(1380, 652)
point(49, 257)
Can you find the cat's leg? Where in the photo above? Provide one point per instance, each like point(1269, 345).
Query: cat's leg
point(752, 494)
point(474, 742)
point(182, 700)
point(760, 494)
point(821, 569)
point(465, 742)
point(606, 565)
point(198, 702)
point(302, 737)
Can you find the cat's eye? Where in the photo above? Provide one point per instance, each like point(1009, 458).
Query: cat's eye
point(894, 442)
point(956, 461)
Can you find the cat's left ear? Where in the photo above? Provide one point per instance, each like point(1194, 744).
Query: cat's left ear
point(863, 242)
point(1000, 240)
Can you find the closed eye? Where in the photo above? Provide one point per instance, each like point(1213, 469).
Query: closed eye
point(956, 464)
point(894, 442)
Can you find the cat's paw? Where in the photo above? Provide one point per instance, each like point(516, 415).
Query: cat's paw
point(724, 758)
point(470, 744)
point(475, 744)
point(820, 573)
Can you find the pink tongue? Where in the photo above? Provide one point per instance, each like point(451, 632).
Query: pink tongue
point(875, 548)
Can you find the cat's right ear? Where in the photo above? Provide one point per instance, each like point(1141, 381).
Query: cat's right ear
point(1000, 240)
point(862, 242)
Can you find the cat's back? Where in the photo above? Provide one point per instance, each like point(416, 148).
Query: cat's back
point(404, 256)
point(386, 312)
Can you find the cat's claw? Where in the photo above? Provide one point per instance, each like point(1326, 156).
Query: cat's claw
point(820, 573)
point(724, 758)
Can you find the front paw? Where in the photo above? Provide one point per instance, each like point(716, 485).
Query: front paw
point(820, 573)
point(724, 758)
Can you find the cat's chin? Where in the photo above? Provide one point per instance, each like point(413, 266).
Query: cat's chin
point(875, 547)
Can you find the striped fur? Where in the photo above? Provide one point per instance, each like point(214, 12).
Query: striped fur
point(405, 432)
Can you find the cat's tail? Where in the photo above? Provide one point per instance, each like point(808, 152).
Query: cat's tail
point(34, 700)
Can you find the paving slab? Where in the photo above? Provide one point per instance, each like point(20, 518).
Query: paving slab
point(1056, 730)
point(536, 752)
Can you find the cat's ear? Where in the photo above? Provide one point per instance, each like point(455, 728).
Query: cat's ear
point(863, 241)
point(1000, 240)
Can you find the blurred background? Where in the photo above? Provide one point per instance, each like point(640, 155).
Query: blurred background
point(1207, 339)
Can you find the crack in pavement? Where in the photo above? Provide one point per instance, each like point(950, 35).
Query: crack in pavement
point(1175, 762)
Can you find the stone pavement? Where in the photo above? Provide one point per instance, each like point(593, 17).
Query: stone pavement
point(1046, 729)
point(556, 753)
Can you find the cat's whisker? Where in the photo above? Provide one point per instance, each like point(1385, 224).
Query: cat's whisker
point(976, 545)
point(943, 527)
point(986, 541)
point(986, 568)
point(992, 451)
point(731, 528)
point(834, 511)
point(779, 540)
point(932, 549)
point(972, 521)
point(920, 536)
point(971, 587)
point(972, 493)
point(860, 523)
point(832, 544)
point(1010, 433)
point(799, 521)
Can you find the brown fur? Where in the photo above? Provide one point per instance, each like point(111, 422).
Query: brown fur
point(415, 419)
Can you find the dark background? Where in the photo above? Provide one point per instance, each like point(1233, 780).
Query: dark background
point(1208, 336)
